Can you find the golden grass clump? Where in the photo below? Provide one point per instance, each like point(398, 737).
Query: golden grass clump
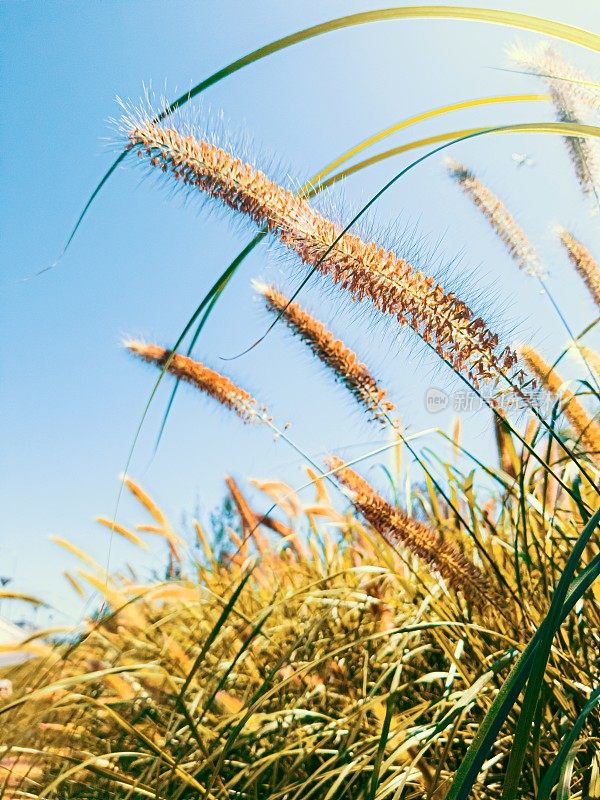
point(259, 675)
point(499, 217)
point(207, 380)
point(585, 264)
point(366, 270)
point(398, 529)
point(331, 351)
point(569, 93)
point(586, 428)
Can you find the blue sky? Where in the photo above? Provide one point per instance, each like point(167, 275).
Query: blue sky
point(71, 399)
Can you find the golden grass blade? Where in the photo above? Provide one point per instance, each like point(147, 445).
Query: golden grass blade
point(554, 128)
point(79, 553)
point(409, 121)
point(74, 583)
point(7, 594)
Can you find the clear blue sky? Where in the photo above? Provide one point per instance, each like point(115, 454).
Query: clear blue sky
point(71, 399)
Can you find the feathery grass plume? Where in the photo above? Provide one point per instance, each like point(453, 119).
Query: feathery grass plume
point(250, 520)
point(331, 351)
point(543, 60)
point(586, 428)
point(366, 270)
point(583, 261)
point(499, 217)
point(398, 529)
point(207, 380)
point(122, 531)
point(505, 445)
point(589, 356)
point(567, 96)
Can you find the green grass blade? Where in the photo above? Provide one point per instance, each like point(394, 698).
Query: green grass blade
point(208, 303)
point(553, 771)
point(505, 699)
point(86, 207)
point(214, 633)
point(547, 632)
point(385, 732)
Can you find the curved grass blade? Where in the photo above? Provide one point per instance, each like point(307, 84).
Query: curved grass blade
point(209, 303)
point(559, 30)
point(409, 121)
point(454, 137)
point(86, 208)
point(553, 771)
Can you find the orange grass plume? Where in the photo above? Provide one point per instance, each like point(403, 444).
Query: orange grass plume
point(585, 264)
point(499, 218)
point(332, 352)
point(212, 383)
point(399, 529)
point(585, 427)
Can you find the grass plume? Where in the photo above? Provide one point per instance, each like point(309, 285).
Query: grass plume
point(586, 428)
point(499, 218)
point(587, 355)
point(331, 351)
point(569, 92)
point(365, 269)
point(212, 383)
point(401, 530)
point(585, 264)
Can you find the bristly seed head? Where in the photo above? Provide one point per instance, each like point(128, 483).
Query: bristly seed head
point(207, 380)
point(366, 270)
point(331, 351)
point(569, 94)
point(499, 217)
point(398, 529)
point(586, 428)
point(583, 261)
